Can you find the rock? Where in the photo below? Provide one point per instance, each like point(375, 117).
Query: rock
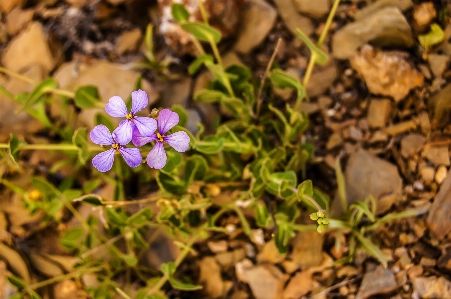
point(365, 175)
point(334, 141)
point(423, 15)
point(30, 47)
point(425, 123)
point(371, 8)
point(177, 92)
point(432, 287)
point(440, 107)
point(217, 246)
point(258, 19)
point(128, 41)
point(438, 63)
point(322, 79)
point(7, 5)
point(230, 258)
point(400, 128)
point(385, 28)
point(299, 285)
point(270, 254)
point(210, 277)
point(77, 3)
point(386, 72)
point(427, 174)
point(438, 155)
point(439, 218)
point(440, 175)
point(315, 9)
point(266, 281)
point(111, 79)
point(17, 19)
point(378, 281)
point(354, 133)
point(67, 289)
point(307, 246)
point(412, 144)
point(292, 18)
point(378, 112)
point(309, 108)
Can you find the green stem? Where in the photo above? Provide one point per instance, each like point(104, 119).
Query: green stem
point(17, 75)
point(51, 147)
point(64, 93)
point(63, 277)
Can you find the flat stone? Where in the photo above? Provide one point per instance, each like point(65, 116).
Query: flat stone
point(177, 92)
point(438, 155)
point(7, 5)
point(378, 281)
point(322, 79)
point(258, 19)
point(378, 112)
point(334, 141)
point(386, 27)
point(269, 253)
point(210, 277)
point(299, 285)
point(440, 175)
point(412, 144)
point(432, 287)
point(266, 281)
point(17, 19)
point(379, 4)
point(386, 73)
point(440, 107)
point(314, 9)
point(30, 47)
point(292, 19)
point(306, 248)
point(427, 174)
point(128, 41)
point(423, 15)
point(400, 128)
point(439, 218)
point(438, 63)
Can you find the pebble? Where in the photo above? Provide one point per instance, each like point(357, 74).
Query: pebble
point(439, 218)
point(128, 41)
point(378, 112)
point(299, 285)
point(17, 19)
point(322, 79)
point(379, 4)
point(314, 9)
point(334, 141)
point(266, 281)
point(292, 19)
point(7, 5)
point(438, 63)
point(306, 248)
point(423, 15)
point(412, 144)
point(269, 253)
point(400, 128)
point(432, 287)
point(440, 175)
point(378, 281)
point(440, 105)
point(438, 155)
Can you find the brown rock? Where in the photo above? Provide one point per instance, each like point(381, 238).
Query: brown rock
point(334, 141)
point(432, 287)
point(299, 285)
point(400, 128)
point(371, 8)
point(378, 112)
point(17, 19)
point(423, 15)
point(439, 218)
point(315, 9)
point(30, 47)
point(440, 107)
point(210, 277)
point(7, 5)
point(427, 174)
point(270, 254)
point(386, 72)
point(307, 246)
point(378, 281)
point(292, 18)
point(266, 281)
point(322, 79)
point(412, 144)
point(128, 41)
point(440, 175)
point(438, 63)
point(438, 155)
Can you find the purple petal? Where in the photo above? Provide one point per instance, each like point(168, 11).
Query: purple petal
point(104, 161)
point(132, 156)
point(101, 135)
point(139, 140)
point(167, 120)
point(179, 141)
point(145, 125)
point(123, 133)
point(157, 156)
point(116, 107)
point(139, 100)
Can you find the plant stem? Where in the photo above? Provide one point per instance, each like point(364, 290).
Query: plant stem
point(62, 277)
point(51, 147)
point(17, 75)
point(64, 93)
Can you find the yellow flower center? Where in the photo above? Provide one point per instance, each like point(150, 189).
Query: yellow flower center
point(129, 116)
point(160, 137)
point(115, 146)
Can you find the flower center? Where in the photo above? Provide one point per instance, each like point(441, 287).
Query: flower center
point(129, 116)
point(116, 146)
point(160, 137)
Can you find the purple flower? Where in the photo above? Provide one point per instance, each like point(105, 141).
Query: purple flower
point(145, 125)
point(104, 161)
point(178, 140)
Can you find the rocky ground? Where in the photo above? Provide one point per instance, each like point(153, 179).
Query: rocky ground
point(382, 104)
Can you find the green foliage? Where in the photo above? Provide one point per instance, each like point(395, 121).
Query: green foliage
point(432, 38)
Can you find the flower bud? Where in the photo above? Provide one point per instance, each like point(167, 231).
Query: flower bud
point(321, 214)
point(314, 216)
point(321, 228)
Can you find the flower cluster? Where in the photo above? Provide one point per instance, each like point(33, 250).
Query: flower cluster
point(322, 220)
point(140, 130)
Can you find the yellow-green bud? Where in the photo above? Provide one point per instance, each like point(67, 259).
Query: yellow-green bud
point(314, 216)
point(320, 220)
point(325, 221)
point(321, 213)
point(321, 228)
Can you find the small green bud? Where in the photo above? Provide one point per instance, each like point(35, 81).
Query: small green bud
point(314, 216)
point(325, 221)
point(320, 220)
point(321, 214)
point(321, 228)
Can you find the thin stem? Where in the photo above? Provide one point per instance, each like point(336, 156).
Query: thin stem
point(62, 277)
point(17, 75)
point(265, 75)
point(313, 201)
point(202, 11)
point(64, 93)
point(51, 147)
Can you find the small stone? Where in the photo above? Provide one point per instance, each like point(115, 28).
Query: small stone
point(355, 134)
point(210, 277)
point(306, 248)
point(379, 136)
point(259, 18)
point(315, 9)
point(7, 5)
point(322, 79)
point(177, 92)
point(229, 258)
point(427, 262)
point(386, 27)
point(269, 253)
point(400, 128)
point(424, 69)
point(440, 175)
point(17, 19)
point(378, 112)
point(77, 3)
point(423, 15)
point(386, 72)
point(425, 123)
point(412, 144)
point(308, 107)
point(67, 289)
point(299, 285)
point(432, 287)
point(30, 47)
point(439, 218)
point(438, 63)
point(438, 155)
point(379, 4)
point(292, 19)
point(128, 41)
point(217, 246)
point(427, 174)
point(266, 281)
point(324, 102)
point(334, 141)
point(440, 106)
point(378, 281)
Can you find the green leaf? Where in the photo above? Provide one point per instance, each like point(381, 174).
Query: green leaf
point(209, 96)
point(34, 295)
point(371, 248)
point(305, 189)
point(101, 119)
point(202, 32)
point(41, 89)
point(341, 184)
point(319, 55)
point(130, 259)
point(91, 199)
point(7, 93)
point(170, 183)
point(179, 13)
point(282, 238)
point(169, 270)
point(117, 218)
point(14, 144)
point(195, 168)
point(79, 139)
point(209, 145)
point(44, 186)
point(141, 218)
point(16, 296)
point(87, 97)
point(198, 62)
point(282, 79)
point(71, 239)
point(262, 217)
point(174, 160)
point(279, 181)
point(363, 208)
point(433, 37)
point(148, 41)
point(17, 282)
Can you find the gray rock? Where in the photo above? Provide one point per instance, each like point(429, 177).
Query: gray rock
point(258, 19)
point(315, 9)
point(375, 6)
point(292, 18)
point(439, 218)
point(378, 281)
point(432, 287)
point(266, 281)
point(387, 27)
point(412, 144)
